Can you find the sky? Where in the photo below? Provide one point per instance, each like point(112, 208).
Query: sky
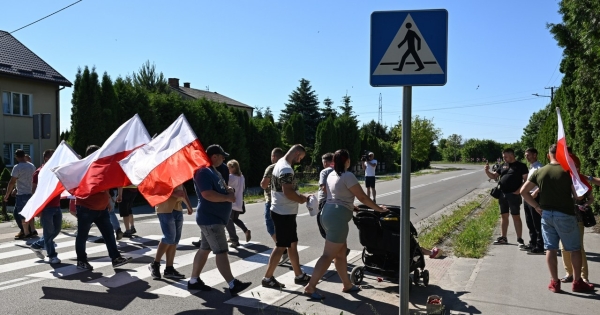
point(499, 53)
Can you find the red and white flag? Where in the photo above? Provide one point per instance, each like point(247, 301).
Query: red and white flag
point(100, 170)
point(48, 186)
point(565, 160)
point(166, 162)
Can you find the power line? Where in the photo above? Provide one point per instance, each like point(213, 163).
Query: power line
point(47, 16)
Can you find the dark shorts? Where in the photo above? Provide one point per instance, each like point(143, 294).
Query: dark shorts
point(127, 202)
point(370, 181)
point(285, 229)
point(510, 203)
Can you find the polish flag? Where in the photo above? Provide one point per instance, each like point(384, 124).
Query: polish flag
point(166, 162)
point(48, 185)
point(100, 170)
point(565, 160)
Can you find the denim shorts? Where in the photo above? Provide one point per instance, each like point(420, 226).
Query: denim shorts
point(171, 225)
point(213, 238)
point(558, 226)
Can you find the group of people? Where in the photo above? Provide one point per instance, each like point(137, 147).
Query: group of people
point(553, 213)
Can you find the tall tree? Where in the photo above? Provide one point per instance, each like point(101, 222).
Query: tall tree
point(327, 140)
point(348, 136)
point(347, 108)
point(111, 111)
point(293, 130)
point(304, 101)
point(148, 78)
point(328, 110)
point(377, 130)
point(451, 152)
point(86, 128)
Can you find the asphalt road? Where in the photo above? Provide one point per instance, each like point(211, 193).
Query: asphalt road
point(28, 285)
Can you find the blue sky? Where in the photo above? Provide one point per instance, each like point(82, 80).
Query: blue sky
point(257, 51)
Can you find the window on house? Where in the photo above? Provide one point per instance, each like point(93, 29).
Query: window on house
point(16, 103)
point(8, 152)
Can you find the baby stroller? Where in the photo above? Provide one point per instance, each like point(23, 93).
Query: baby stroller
point(379, 234)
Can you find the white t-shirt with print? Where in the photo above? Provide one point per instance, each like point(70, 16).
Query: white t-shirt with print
point(370, 170)
point(283, 173)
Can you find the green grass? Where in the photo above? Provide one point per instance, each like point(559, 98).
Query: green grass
point(474, 239)
point(437, 232)
point(65, 224)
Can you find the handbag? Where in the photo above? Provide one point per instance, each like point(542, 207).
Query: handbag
point(587, 217)
point(496, 192)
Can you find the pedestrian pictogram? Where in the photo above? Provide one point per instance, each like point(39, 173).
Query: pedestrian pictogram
point(409, 48)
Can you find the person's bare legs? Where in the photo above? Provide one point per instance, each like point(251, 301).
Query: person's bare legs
point(160, 251)
point(222, 261)
point(171, 255)
point(425, 251)
point(504, 224)
point(25, 227)
point(369, 192)
point(128, 222)
point(330, 252)
point(274, 261)
point(199, 262)
point(341, 266)
point(518, 225)
point(552, 263)
point(32, 225)
point(274, 238)
point(295, 258)
point(576, 261)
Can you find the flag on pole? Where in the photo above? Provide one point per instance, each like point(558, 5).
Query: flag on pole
point(166, 162)
point(48, 187)
point(565, 160)
point(100, 170)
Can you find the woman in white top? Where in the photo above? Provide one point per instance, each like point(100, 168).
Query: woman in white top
point(342, 188)
point(237, 182)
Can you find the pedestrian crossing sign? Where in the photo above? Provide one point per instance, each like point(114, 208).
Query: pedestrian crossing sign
point(409, 48)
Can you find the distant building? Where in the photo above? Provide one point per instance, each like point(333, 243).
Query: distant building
point(189, 93)
point(29, 86)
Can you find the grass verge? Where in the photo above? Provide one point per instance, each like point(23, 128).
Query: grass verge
point(437, 232)
point(474, 239)
point(65, 224)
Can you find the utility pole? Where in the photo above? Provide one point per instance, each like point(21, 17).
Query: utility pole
point(380, 110)
point(551, 92)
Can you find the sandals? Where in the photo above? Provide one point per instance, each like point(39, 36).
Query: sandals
point(314, 296)
point(566, 279)
point(354, 288)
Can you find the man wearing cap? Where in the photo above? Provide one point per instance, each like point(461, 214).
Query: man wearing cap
point(370, 165)
point(215, 200)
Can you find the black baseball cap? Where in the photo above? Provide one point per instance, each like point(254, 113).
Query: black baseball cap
point(215, 149)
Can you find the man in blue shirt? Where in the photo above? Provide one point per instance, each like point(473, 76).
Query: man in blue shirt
point(214, 208)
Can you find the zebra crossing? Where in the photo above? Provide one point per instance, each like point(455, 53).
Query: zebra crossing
point(15, 256)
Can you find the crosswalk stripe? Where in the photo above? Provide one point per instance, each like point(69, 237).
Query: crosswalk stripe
point(11, 281)
point(129, 276)
point(26, 251)
point(20, 284)
point(24, 242)
point(261, 297)
point(213, 276)
point(69, 255)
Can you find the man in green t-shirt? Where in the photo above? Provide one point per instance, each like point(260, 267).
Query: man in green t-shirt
point(558, 218)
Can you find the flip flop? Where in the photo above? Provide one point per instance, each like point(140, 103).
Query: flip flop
point(566, 279)
point(353, 289)
point(314, 296)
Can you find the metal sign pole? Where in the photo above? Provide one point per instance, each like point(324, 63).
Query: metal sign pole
point(40, 138)
point(405, 213)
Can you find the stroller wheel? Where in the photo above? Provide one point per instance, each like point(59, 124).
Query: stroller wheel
point(425, 276)
point(357, 274)
point(416, 276)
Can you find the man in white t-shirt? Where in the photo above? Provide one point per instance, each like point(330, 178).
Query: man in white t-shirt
point(22, 179)
point(285, 199)
point(370, 165)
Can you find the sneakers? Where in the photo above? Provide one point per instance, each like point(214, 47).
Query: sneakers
point(100, 240)
point(83, 264)
point(118, 234)
point(526, 248)
point(120, 261)
point(238, 286)
point(536, 251)
point(234, 244)
point(248, 236)
point(34, 233)
point(133, 230)
point(284, 258)
point(198, 286)
point(582, 286)
point(272, 283)
point(197, 244)
point(304, 279)
point(154, 268)
point(171, 273)
point(520, 242)
point(37, 251)
point(54, 260)
point(128, 233)
point(501, 241)
point(554, 286)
